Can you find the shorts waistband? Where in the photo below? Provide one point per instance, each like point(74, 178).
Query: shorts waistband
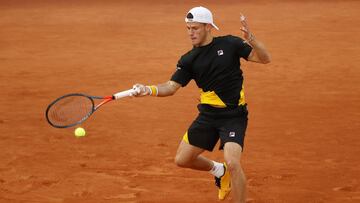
point(209, 110)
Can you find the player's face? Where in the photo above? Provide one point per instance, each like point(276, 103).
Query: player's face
point(198, 33)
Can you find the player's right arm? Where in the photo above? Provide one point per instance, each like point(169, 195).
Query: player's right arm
point(168, 88)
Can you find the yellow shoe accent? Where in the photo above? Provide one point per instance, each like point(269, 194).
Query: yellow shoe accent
point(224, 184)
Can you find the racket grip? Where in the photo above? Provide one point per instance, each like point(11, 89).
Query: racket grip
point(126, 93)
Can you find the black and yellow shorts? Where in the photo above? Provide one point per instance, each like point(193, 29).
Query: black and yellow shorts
point(212, 124)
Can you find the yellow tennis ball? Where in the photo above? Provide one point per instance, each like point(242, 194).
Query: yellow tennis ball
point(80, 132)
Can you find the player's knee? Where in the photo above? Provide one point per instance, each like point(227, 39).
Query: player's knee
point(233, 165)
point(181, 161)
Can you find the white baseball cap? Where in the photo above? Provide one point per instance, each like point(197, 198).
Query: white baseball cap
point(201, 15)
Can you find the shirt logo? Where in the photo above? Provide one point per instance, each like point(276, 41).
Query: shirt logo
point(232, 134)
point(220, 52)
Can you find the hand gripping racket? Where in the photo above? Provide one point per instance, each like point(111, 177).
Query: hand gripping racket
point(72, 109)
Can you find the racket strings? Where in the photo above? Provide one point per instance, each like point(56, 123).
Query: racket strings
point(70, 110)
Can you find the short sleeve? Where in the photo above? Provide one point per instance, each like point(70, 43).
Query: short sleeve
point(182, 74)
point(243, 49)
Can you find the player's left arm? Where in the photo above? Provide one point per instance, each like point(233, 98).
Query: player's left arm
point(258, 54)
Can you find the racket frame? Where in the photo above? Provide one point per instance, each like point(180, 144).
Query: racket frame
point(105, 100)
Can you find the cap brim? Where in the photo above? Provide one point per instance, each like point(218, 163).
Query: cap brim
point(216, 27)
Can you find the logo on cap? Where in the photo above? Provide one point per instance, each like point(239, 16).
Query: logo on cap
point(190, 16)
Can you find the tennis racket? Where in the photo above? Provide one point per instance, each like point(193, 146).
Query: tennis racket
point(73, 109)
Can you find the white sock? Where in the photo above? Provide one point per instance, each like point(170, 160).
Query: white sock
point(218, 169)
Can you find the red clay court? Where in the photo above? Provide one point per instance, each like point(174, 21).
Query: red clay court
point(302, 142)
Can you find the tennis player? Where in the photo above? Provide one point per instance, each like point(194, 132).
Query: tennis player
point(214, 64)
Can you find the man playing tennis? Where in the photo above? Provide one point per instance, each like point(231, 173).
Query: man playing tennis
point(214, 64)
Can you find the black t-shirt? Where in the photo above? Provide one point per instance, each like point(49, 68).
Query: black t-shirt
point(215, 67)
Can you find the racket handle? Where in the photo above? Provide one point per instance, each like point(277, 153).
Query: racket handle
point(126, 93)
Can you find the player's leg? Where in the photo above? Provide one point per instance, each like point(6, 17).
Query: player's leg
point(232, 134)
point(188, 156)
point(232, 155)
point(200, 136)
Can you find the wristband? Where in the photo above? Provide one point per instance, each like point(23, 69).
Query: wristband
point(153, 90)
